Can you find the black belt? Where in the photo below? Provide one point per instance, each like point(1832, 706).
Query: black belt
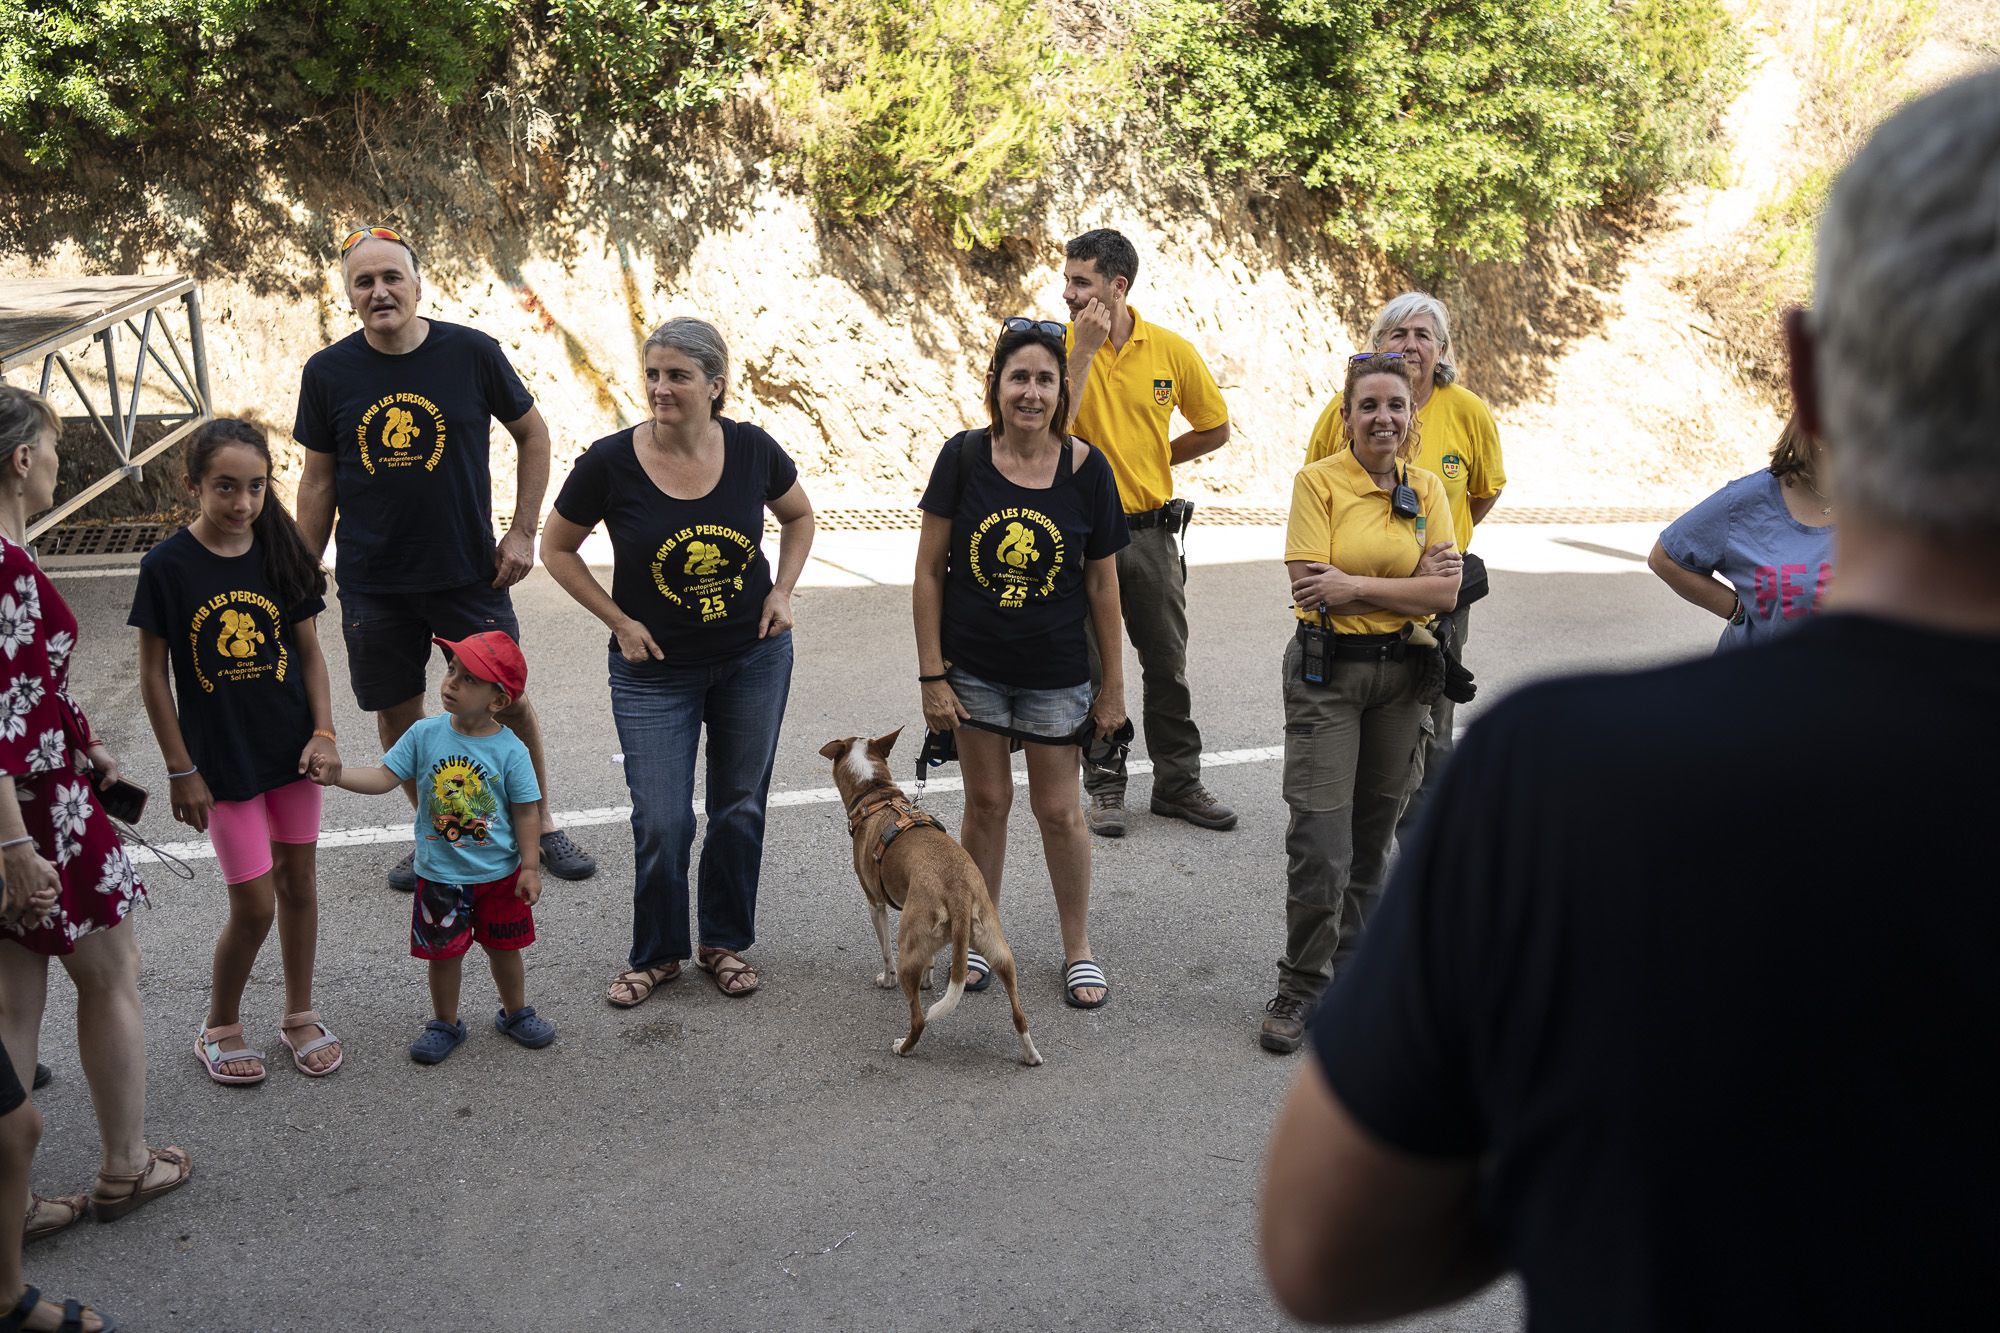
point(1362, 647)
point(1172, 516)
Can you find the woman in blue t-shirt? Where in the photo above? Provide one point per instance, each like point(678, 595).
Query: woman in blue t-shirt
point(1758, 552)
point(700, 635)
point(1021, 524)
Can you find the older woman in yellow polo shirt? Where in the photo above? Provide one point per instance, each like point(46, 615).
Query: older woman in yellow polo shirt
point(1369, 555)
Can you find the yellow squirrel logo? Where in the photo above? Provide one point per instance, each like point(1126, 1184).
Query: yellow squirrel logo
point(400, 430)
point(1017, 548)
point(704, 559)
point(240, 635)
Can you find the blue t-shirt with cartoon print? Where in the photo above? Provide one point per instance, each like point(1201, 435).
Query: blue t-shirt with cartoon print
point(465, 786)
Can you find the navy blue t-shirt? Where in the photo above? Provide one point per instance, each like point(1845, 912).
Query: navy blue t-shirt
point(409, 434)
point(238, 684)
point(1014, 600)
point(1698, 964)
point(692, 572)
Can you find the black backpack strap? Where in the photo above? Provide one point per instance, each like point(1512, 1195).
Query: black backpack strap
point(1066, 464)
point(972, 444)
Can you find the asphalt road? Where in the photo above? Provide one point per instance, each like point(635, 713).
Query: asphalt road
point(713, 1163)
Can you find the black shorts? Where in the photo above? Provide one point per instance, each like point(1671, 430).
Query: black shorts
point(12, 1094)
point(389, 635)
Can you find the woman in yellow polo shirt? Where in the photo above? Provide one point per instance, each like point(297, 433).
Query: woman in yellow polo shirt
point(1369, 554)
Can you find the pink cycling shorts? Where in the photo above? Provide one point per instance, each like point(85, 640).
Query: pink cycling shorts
point(242, 831)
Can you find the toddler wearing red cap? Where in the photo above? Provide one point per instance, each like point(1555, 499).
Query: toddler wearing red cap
point(478, 847)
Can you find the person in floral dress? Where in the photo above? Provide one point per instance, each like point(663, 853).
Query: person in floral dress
point(69, 885)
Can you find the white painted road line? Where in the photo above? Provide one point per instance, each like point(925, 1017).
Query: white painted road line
point(200, 850)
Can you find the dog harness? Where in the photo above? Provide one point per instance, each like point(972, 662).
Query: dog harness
point(907, 817)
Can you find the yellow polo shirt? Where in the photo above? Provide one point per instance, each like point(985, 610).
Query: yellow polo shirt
point(1340, 517)
point(1457, 440)
point(1129, 402)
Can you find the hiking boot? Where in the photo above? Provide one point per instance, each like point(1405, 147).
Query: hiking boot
point(564, 859)
point(403, 874)
point(1284, 1023)
point(1197, 807)
point(1107, 814)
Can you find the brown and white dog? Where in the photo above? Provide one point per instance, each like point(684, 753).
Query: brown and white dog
point(906, 860)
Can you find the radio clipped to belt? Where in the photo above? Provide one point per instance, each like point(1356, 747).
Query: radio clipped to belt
point(1176, 515)
point(1314, 643)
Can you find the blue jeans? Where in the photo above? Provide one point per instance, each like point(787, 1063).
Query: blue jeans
point(660, 709)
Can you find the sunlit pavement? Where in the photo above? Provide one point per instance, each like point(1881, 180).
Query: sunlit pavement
point(767, 1163)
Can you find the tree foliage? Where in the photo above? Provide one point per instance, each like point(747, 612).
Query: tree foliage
point(136, 70)
point(1432, 127)
point(1443, 127)
point(945, 101)
point(631, 60)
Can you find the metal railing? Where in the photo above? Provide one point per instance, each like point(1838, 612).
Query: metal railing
point(141, 314)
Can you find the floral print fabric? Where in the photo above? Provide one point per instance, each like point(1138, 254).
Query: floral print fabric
point(42, 738)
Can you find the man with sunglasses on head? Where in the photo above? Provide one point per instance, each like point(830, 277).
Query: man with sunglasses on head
point(1126, 378)
point(395, 420)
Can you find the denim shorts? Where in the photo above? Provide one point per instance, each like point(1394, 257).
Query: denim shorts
point(1052, 715)
point(389, 635)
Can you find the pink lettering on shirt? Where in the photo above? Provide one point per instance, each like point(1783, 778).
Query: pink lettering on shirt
point(1819, 589)
point(1765, 591)
point(1791, 595)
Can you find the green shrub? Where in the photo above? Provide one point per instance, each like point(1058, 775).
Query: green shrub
point(626, 61)
point(109, 67)
point(1692, 60)
point(129, 70)
point(1437, 128)
point(945, 102)
point(443, 49)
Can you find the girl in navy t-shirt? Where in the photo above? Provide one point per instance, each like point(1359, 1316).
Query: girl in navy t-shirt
point(229, 602)
point(1021, 527)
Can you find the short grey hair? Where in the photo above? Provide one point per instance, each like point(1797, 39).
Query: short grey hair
point(1400, 311)
point(1905, 340)
point(24, 418)
point(702, 343)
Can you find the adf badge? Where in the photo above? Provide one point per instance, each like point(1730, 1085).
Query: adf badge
point(1163, 392)
point(1453, 466)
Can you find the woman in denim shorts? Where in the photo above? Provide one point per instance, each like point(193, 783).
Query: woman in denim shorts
point(1021, 524)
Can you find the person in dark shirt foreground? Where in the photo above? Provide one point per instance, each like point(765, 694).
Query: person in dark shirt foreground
point(1683, 1022)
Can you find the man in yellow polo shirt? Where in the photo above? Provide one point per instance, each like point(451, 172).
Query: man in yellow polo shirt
point(1127, 377)
point(1458, 443)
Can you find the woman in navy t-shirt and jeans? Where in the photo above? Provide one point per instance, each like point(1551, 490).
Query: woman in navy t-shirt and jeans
point(1020, 526)
point(700, 633)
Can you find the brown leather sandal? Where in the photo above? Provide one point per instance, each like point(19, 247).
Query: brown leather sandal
point(110, 1207)
point(638, 984)
point(728, 979)
point(42, 1217)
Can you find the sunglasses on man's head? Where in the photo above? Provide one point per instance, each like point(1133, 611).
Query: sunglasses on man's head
point(355, 238)
point(1022, 324)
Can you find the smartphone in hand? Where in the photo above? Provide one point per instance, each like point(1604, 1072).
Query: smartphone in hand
point(122, 800)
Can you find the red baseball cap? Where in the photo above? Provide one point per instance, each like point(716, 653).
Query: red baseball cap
point(491, 656)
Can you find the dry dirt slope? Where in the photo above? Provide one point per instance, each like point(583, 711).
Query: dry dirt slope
point(861, 348)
